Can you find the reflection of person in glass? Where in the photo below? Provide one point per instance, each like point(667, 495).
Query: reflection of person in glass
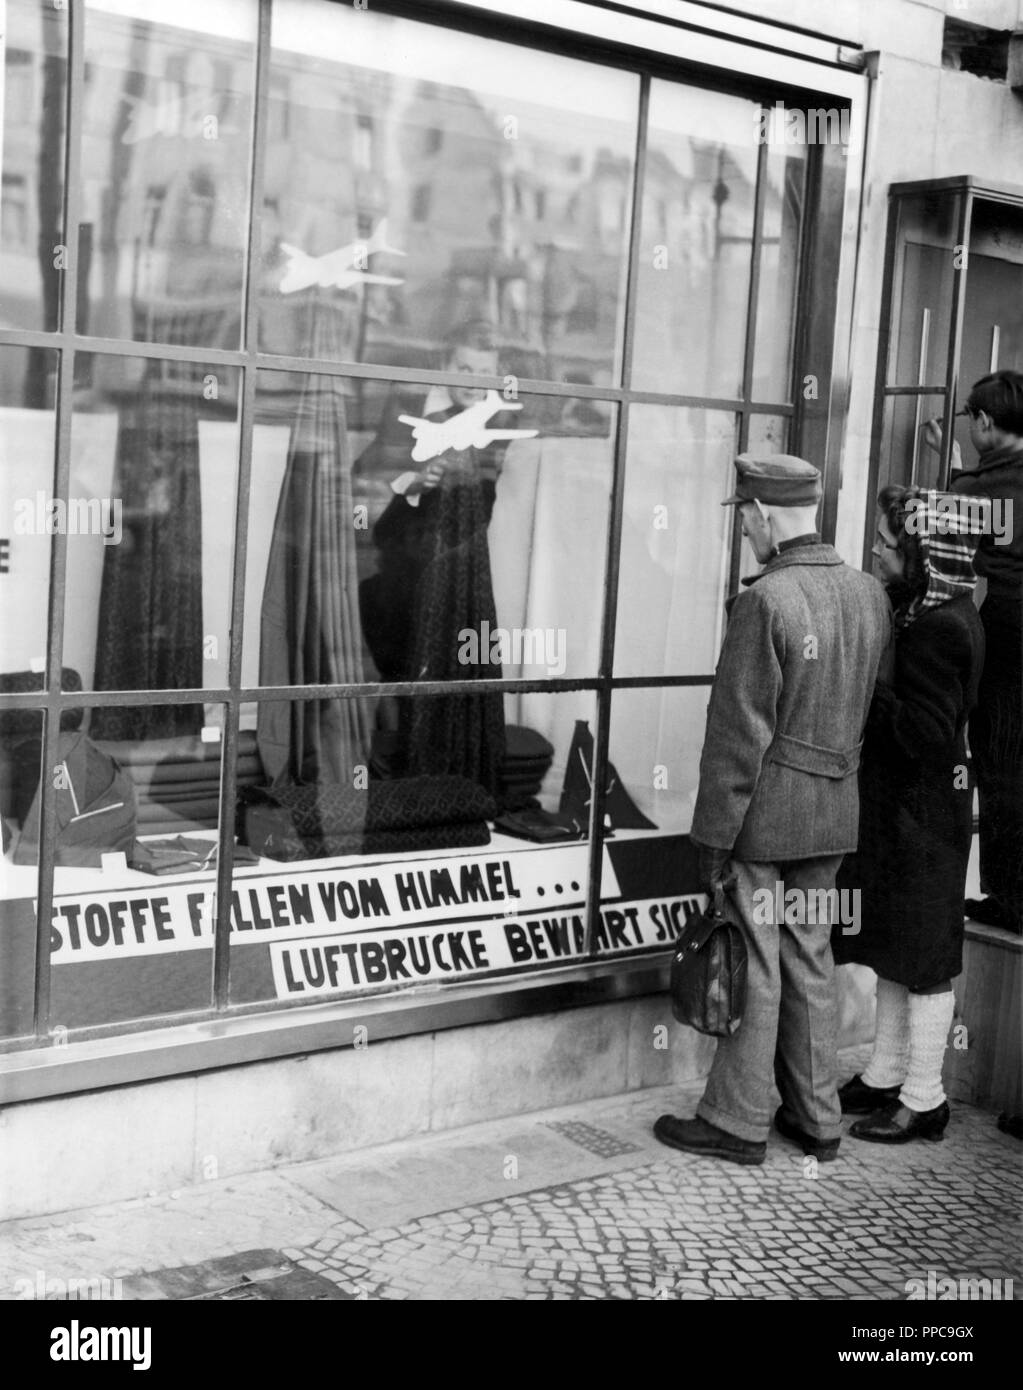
point(433, 567)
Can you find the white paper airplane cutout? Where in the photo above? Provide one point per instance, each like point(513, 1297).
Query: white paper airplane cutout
point(466, 430)
point(338, 269)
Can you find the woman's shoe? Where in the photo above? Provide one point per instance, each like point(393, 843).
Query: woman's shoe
point(897, 1124)
point(857, 1098)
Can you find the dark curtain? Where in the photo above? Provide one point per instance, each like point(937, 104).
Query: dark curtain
point(459, 734)
point(310, 630)
point(150, 614)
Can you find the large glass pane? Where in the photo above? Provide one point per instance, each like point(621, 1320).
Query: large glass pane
point(132, 899)
point(378, 880)
point(784, 195)
point(417, 177)
point(403, 533)
point(675, 534)
point(922, 288)
point(696, 242)
point(33, 42)
point(154, 465)
point(905, 456)
point(166, 137)
point(656, 741)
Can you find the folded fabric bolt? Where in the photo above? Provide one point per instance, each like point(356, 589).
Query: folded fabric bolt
point(405, 803)
point(266, 834)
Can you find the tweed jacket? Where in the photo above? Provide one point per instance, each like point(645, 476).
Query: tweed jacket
point(788, 708)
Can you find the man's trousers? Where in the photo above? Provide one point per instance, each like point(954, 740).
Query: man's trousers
point(789, 1031)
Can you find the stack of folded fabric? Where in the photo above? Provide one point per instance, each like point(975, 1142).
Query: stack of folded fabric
point(324, 820)
point(177, 780)
point(527, 759)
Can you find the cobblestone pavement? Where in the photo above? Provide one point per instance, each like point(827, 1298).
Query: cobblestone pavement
point(570, 1204)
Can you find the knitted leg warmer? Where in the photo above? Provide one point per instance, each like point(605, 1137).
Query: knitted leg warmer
point(888, 1062)
point(930, 1018)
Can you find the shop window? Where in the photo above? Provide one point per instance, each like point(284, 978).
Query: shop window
point(434, 556)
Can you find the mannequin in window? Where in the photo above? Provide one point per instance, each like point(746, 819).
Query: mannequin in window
point(404, 534)
point(433, 570)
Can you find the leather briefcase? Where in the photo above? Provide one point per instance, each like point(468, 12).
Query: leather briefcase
point(708, 973)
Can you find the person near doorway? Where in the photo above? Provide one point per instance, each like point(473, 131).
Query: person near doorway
point(778, 807)
point(995, 411)
point(916, 821)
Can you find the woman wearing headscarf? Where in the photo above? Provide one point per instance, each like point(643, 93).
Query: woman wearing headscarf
point(916, 813)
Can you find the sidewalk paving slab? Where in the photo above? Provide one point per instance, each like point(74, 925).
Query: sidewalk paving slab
point(576, 1203)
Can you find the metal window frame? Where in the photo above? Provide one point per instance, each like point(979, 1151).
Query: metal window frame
point(642, 45)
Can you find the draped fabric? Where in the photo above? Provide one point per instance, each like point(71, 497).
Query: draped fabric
point(310, 626)
point(149, 634)
point(461, 734)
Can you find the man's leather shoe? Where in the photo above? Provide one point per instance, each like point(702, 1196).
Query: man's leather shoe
point(857, 1098)
point(698, 1137)
point(897, 1124)
point(824, 1150)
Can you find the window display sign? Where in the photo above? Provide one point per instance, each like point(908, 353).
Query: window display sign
point(101, 926)
point(348, 927)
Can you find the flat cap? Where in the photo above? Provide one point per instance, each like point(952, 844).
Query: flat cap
point(778, 480)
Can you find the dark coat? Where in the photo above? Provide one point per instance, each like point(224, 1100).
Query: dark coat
point(999, 559)
point(788, 707)
point(916, 811)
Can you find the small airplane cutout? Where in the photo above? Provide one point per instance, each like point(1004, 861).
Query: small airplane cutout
point(339, 269)
point(466, 430)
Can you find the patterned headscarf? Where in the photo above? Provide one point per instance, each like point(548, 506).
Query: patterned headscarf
point(949, 527)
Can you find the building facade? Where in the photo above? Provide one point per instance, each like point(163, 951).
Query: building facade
point(371, 377)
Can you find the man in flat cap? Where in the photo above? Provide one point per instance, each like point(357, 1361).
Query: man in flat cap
point(778, 808)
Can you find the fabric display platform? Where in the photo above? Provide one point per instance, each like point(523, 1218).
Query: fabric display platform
point(177, 780)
